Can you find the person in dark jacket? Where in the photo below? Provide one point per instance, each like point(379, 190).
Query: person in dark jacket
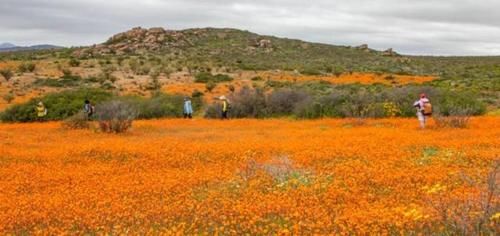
point(88, 108)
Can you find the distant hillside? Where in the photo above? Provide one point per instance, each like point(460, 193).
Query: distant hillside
point(241, 49)
point(8, 47)
point(212, 47)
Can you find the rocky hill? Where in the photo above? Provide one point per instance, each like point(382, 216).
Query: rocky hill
point(244, 50)
point(142, 41)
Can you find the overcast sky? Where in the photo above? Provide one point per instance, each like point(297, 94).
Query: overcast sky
point(438, 27)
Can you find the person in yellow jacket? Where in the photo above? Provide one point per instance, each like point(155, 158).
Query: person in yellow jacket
point(225, 107)
point(41, 111)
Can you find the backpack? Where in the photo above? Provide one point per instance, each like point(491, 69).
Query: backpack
point(427, 109)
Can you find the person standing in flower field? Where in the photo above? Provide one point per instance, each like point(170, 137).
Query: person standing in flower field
point(188, 108)
point(225, 107)
point(424, 109)
point(88, 108)
point(41, 111)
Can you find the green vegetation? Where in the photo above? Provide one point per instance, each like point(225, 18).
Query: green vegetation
point(27, 67)
point(210, 86)
point(59, 105)
point(359, 101)
point(9, 97)
point(6, 73)
point(206, 77)
point(67, 105)
point(73, 62)
point(115, 116)
point(160, 105)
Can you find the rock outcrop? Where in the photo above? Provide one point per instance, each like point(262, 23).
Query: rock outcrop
point(390, 53)
point(137, 40)
point(140, 41)
point(363, 47)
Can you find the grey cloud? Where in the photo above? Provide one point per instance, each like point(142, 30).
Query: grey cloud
point(452, 27)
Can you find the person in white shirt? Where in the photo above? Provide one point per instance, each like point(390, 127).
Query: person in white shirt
point(420, 109)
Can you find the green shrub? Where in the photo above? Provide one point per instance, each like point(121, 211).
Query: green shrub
point(213, 111)
point(197, 94)
point(278, 84)
point(210, 85)
point(205, 77)
point(59, 105)
point(372, 101)
point(65, 81)
point(9, 97)
point(161, 105)
point(115, 116)
point(452, 121)
point(6, 73)
point(77, 121)
point(246, 103)
point(311, 71)
point(73, 62)
point(284, 101)
point(460, 103)
point(324, 106)
point(27, 67)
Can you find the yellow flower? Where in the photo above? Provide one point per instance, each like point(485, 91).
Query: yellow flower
point(496, 216)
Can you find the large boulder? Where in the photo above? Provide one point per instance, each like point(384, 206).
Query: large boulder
point(390, 53)
point(265, 43)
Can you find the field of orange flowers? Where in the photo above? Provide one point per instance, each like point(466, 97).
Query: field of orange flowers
point(251, 177)
point(350, 78)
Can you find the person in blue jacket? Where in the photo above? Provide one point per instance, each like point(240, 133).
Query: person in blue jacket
point(188, 108)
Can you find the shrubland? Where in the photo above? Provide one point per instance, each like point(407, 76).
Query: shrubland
point(347, 101)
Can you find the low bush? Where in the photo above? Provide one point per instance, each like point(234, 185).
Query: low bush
point(77, 121)
point(311, 71)
point(347, 101)
point(6, 73)
point(246, 103)
point(284, 101)
point(213, 111)
point(455, 117)
point(59, 105)
point(9, 97)
point(27, 67)
point(115, 116)
point(197, 94)
point(161, 105)
point(63, 82)
point(205, 77)
point(257, 78)
point(452, 121)
point(210, 85)
point(73, 62)
point(249, 103)
point(278, 84)
point(460, 104)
